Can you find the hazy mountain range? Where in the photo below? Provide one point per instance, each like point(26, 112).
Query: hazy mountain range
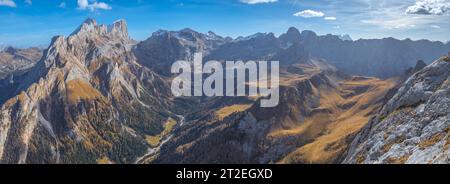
point(17, 60)
point(97, 96)
point(384, 58)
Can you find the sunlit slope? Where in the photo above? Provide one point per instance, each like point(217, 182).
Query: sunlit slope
point(319, 112)
point(342, 113)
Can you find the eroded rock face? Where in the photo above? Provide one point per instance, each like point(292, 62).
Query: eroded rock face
point(414, 126)
point(86, 99)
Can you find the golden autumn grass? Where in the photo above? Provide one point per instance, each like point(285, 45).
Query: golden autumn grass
point(332, 129)
point(401, 160)
point(154, 141)
point(229, 110)
point(79, 90)
point(432, 141)
point(447, 143)
point(288, 78)
point(104, 160)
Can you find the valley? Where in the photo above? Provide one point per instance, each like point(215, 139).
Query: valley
point(316, 128)
point(339, 117)
point(98, 96)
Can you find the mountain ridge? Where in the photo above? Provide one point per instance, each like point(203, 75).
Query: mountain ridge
point(78, 104)
point(97, 96)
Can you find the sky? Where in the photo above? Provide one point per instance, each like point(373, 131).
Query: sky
point(26, 23)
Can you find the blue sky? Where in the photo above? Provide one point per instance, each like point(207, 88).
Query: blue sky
point(34, 22)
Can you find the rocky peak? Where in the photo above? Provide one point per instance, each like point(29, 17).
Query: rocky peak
point(257, 36)
point(160, 32)
point(308, 34)
point(84, 51)
point(345, 37)
point(188, 31)
point(90, 21)
point(294, 32)
point(420, 65)
point(212, 34)
point(86, 90)
point(290, 37)
point(119, 29)
point(10, 50)
point(189, 35)
point(89, 28)
point(184, 35)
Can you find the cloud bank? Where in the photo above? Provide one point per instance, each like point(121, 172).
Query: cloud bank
point(309, 14)
point(429, 7)
point(9, 3)
point(85, 4)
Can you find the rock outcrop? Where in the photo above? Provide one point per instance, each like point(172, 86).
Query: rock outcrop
point(413, 127)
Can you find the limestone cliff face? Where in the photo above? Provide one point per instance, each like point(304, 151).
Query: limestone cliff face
point(414, 126)
point(86, 99)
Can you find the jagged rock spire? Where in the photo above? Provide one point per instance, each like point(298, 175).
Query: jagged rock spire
point(119, 29)
point(90, 21)
point(116, 30)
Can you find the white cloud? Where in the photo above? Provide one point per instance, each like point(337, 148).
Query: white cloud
point(380, 18)
point(257, 1)
point(85, 4)
point(436, 27)
point(396, 23)
point(429, 7)
point(9, 3)
point(330, 18)
point(309, 14)
point(62, 4)
point(28, 2)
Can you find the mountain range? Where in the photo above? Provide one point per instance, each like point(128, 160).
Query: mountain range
point(18, 60)
point(383, 58)
point(97, 96)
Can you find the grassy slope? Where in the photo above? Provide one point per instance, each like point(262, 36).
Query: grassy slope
point(348, 109)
